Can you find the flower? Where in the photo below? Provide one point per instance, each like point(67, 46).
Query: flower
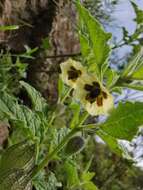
point(71, 71)
point(94, 97)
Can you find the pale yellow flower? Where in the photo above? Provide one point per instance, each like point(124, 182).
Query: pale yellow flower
point(71, 71)
point(94, 97)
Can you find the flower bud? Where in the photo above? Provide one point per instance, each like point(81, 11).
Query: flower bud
point(74, 145)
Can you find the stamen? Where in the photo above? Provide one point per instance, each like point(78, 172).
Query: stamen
point(99, 101)
point(90, 99)
point(104, 94)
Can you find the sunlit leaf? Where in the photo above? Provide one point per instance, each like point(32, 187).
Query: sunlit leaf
point(87, 176)
point(112, 143)
point(133, 66)
point(94, 40)
point(124, 121)
point(133, 86)
point(76, 112)
point(71, 172)
point(12, 27)
point(138, 75)
point(139, 13)
point(90, 186)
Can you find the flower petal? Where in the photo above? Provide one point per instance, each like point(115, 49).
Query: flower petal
point(94, 97)
point(71, 71)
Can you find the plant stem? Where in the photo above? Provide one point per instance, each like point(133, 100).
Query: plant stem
point(62, 143)
point(83, 118)
point(66, 95)
point(55, 151)
point(61, 101)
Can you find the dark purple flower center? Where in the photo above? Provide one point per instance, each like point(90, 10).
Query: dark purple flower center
point(73, 73)
point(93, 90)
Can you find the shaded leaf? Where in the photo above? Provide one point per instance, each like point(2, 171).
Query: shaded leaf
point(60, 88)
point(14, 179)
point(38, 102)
point(74, 145)
point(21, 116)
point(21, 156)
point(16, 165)
point(71, 172)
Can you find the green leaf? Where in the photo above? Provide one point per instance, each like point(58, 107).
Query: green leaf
point(46, 182)
point(138, 74)
point(14, 179)
point(12, 27)
point(133, 86)
point(125, 34)
point(124, 121)
point(21, 156)
point(30, 51)
point(89, 186)
point(112, 143)
point(38, 102)
point(93, 38)
point(8, 105)
point(85, 46)
point(16, 165)
point(71, 173)
point(28, 120)
point(134, 65)
point(46, 43)
point(76, 112)
point(60, 88)
point(8, 82)
point(74, 145)
point(139, 13)
point(87, 176)
point(21, 116)
point(110, 77)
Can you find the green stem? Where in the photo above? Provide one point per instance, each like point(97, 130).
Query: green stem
point(66, 95)
point(52, 119)
point(61, 101)
point(55, 151)
point(61, 145)
point(132, 86)
point(83, 118)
